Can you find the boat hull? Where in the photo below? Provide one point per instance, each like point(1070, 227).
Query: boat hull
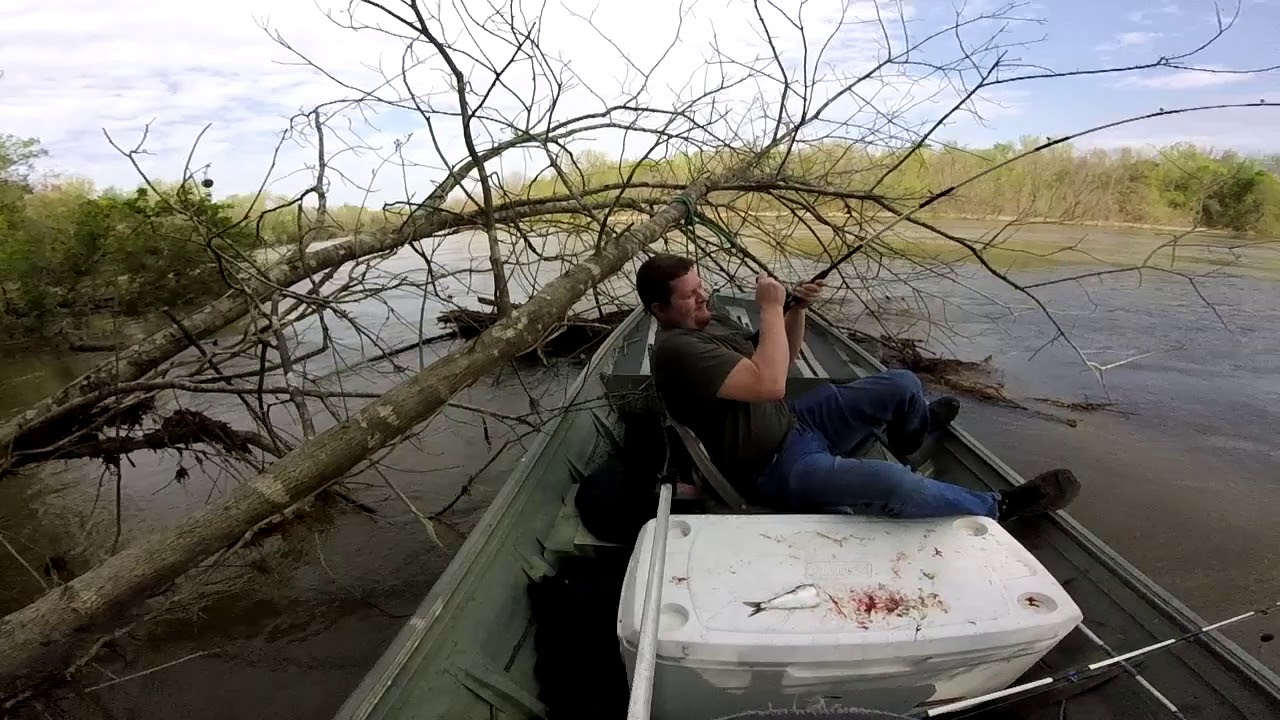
point(469, 650)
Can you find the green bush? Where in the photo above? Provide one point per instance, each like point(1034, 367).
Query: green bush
point(68, 250)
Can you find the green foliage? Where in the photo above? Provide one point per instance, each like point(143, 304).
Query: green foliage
point(74, 251)
point(1178, 185)
point(68, 250)
point(16, 157)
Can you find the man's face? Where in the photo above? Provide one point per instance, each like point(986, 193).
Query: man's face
point(688, 305)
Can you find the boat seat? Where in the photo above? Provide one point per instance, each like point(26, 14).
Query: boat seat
point(704, 469)
point(708, 473)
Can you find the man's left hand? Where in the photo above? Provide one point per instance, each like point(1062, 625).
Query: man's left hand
point(807, 292)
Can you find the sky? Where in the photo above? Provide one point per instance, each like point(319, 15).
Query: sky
point(224, 88)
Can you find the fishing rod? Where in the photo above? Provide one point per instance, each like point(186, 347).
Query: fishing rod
point(1049, 142)
point(1076, 673)
point(1174, 712)
point(792, 300)
point(694, 216)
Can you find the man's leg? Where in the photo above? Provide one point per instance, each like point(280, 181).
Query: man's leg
point(844, 414)
point(822, 482)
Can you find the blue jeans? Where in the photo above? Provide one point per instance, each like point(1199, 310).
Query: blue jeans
point(808, 474)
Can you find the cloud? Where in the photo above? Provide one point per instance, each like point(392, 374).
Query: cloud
point(1186, 79)
point(1245, 130)
point(76, 68)
point(75, 71)
point(1129, 39)
point(1148, 15)
point(1002, 103)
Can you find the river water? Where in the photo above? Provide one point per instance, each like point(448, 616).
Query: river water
point(1183, 483)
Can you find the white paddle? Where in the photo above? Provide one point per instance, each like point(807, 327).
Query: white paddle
point(646, 653)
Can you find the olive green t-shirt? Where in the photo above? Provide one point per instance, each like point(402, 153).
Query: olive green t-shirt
point(688, 368)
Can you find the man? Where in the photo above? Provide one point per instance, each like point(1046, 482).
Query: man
point(731, 394)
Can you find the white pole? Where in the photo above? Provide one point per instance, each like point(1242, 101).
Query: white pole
point(1151, 689)
point(646, 653)
point(966, 704)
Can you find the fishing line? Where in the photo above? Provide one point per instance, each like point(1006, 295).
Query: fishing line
point(1078, 673)
point(695, 216)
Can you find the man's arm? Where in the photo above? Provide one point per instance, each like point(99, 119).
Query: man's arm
point(763, 376)
point(702, 368)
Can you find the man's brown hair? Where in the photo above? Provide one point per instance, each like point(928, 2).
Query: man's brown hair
point(653, 279)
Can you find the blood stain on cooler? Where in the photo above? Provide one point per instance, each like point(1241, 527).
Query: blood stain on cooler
point(882, 602)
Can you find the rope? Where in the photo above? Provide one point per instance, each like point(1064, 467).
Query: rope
point(693, 217)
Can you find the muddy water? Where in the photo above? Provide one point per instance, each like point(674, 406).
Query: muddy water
point(1185, 486)
point(1186, 483)
point(288, 632)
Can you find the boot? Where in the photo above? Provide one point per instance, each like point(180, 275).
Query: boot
point(1050, 490)
point(942, 411)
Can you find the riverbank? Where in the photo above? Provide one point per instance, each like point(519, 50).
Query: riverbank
point(1028, 245)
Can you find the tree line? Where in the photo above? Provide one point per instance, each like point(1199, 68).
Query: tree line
point(69, 249)
point(1178, 185)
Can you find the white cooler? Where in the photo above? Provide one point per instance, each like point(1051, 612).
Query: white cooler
point(911, 611)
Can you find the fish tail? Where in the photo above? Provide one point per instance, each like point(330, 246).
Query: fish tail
point(756, 608)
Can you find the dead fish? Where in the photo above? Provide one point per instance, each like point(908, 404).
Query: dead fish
point(797, 598)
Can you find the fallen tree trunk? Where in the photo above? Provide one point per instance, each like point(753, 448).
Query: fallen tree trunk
point(37, 427)
point(44, 637)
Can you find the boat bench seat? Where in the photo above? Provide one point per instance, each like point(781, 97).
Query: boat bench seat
point(708, 473)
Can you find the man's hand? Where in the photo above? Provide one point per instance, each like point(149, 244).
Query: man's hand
point(808, 292)
point(769, 292)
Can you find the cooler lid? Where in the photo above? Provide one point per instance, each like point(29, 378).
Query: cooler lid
point(883, 588)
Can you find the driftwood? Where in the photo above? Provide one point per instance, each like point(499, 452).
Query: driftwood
point(183, 427)
point(974, 379)
point(575, 336)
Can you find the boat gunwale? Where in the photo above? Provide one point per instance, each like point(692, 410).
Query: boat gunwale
point(1156, 595)
point(372, 688)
